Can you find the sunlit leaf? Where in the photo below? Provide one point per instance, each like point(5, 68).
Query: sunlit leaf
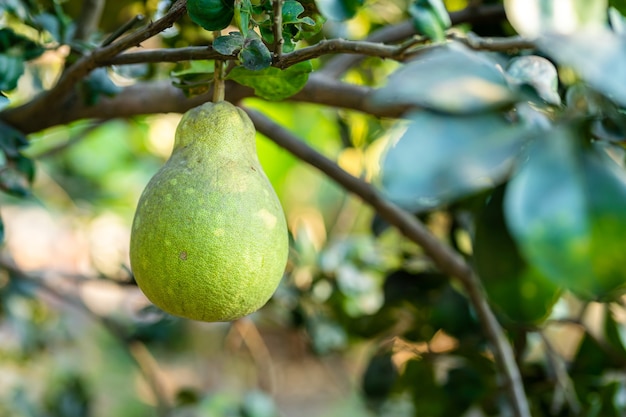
point(11, 69)
point(449, 78)
point(514, 287)
point(273, 83)
point(598, 57)
point(533, 17)
point(441, 158)
point(566, 209)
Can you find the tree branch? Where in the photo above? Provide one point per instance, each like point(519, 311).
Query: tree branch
point(162, 97)
point(396, 33)
point(56, 96)
point(446, 259)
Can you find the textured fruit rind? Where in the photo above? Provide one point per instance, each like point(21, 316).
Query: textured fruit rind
point(209, 240)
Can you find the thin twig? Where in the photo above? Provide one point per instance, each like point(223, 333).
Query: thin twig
point(277, 28)
point(218, 76)
point(446, 259)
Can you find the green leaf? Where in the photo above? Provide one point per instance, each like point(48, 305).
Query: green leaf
point(430, 18)
point(254, 55)
point(451, 79)
point(597, 57)
point(11, 69)
point(11, 140)
point(273, 83)
point(229, 44)
point(514, 287)
point(533, 17)
point(338, 9)
point(211, 14)
point(538, 73)
point(243, 9)
point(97, 84)
point(19, 46)
point(441, 158)
point(566, 209)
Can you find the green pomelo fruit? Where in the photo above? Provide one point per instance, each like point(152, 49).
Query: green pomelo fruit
point(209, 240)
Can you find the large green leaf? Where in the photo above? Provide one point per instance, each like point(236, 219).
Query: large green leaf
point(450, 79)
point(515, 288)
point(566, 209)
point(598, 57)
point(441, 158)
point(273, 83)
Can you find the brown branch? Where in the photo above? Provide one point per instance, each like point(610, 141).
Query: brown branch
point(163, 97)
point(56, 97)
point(446, 259)
point(397, 33)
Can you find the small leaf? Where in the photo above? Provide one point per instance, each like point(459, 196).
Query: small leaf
point(451, 79)
point(211, 14)
point(430, 18)
point(254, 55)
point(243, 9)
point(273, 83)
point(537, 72)
point(417, 172)
point(229, 44)
point(97, 84)
point(338, 9)
point(19, 46)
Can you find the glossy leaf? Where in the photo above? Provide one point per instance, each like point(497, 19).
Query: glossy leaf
point(211, 14)
point(417, 172)
point(430, 18)
point(451, 79)
point(273, 83)
point(291, 10)
point(566, 209)
point(598, 57)
point(229, 44)
point(514, 287)
point(338, 9)
point(254, 55)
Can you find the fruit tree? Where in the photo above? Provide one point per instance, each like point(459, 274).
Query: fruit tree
point(383, 208)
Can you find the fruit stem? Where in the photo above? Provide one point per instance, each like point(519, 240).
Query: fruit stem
point(218, 76)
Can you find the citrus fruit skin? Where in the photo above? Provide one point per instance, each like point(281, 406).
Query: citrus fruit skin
point(209, 239)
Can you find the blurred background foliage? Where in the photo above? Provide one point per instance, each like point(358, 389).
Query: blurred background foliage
point(362, 324)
